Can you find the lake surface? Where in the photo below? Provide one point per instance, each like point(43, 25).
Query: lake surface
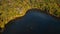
point(34, 22)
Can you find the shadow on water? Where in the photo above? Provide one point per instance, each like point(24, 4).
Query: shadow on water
point(34, 22)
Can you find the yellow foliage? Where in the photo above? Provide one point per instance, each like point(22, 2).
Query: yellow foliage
point(10, 9)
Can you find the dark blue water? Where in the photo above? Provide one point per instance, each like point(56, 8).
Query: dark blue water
point(34, 22)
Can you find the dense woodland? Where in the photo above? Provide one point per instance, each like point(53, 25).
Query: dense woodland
point(10, 9)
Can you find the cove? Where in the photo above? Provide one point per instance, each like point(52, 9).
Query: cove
point(33, 22)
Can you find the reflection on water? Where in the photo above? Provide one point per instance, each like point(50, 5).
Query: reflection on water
point(34, 22)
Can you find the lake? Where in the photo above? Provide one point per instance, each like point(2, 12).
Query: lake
point(33, 22)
